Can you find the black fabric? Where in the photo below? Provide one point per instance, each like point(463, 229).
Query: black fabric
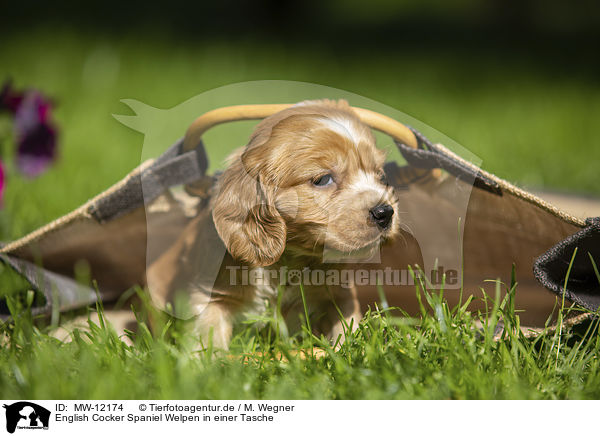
point(427, 156)
point(173, 167)
point(583, 286)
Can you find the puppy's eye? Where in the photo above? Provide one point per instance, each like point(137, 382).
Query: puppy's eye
point(325, 180)
point(383, 178)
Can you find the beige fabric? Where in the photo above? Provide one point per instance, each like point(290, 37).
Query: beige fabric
point(498, 231)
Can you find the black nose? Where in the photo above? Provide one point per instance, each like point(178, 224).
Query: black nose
point(382, 215)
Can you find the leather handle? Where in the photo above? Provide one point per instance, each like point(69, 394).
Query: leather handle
point(377, 121)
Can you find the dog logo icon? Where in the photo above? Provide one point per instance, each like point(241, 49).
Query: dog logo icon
point(26, 415)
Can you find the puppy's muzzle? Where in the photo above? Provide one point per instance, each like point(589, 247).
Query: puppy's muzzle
point(382, 215)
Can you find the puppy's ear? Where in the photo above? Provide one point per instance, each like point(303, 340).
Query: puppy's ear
point(246, 218)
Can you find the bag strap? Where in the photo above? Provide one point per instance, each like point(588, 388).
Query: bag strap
point(60, 292)
point(174, 167)
point(375, 120)
point(429, 156)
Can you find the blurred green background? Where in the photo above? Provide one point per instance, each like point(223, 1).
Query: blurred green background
point(515, 82)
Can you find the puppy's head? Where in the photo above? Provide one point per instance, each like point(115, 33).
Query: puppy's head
point(310, 179)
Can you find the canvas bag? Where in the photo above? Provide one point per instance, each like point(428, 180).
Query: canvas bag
point(502, 225)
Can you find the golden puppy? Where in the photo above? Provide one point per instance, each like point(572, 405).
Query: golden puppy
point(305, 195)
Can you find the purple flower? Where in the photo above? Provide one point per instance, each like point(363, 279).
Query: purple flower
point(34, 130)
point(36, 135)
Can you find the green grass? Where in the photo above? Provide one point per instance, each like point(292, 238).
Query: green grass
point(442, 354)
point(527, 124)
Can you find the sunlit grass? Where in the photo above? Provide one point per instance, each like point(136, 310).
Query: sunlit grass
point(447, 352)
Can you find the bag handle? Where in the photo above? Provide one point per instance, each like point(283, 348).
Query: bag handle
point(398, 131)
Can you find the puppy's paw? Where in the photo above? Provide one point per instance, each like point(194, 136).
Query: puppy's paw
point(213, 327)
